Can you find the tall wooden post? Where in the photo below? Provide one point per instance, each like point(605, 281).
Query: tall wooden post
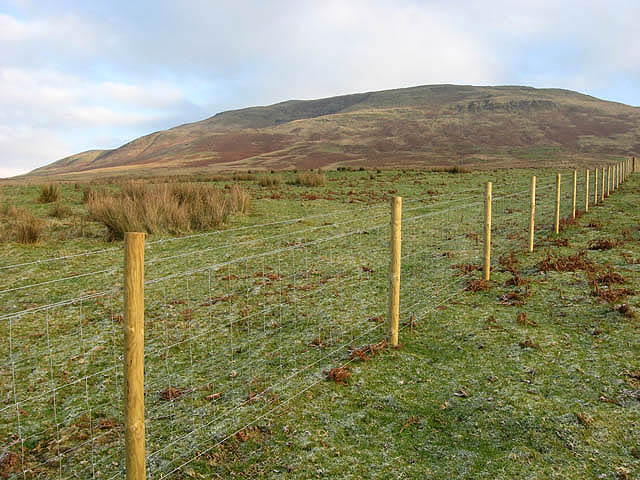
point(394, 269)
point(586, 193)
point(532, 219)
point(575, 192)
point(595, 188)
point(627, 168)
point(608, 180)
point(134, 355)
point(602, 189)
point(487, 232)
point(557, 222)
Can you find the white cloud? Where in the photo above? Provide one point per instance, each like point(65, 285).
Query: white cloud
point(74, 73)
point(23, 144)
point(45, 114)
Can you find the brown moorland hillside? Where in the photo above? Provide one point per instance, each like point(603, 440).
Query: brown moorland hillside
point(426, 126)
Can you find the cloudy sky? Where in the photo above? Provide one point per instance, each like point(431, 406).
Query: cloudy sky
point(76, 75)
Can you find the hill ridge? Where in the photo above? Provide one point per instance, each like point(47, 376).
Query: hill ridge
point(419, 126)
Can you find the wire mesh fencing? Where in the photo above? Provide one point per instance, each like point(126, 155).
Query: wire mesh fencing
point(61, 376)
point(238, 322)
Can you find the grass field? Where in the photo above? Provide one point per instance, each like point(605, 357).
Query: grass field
point(536, 376)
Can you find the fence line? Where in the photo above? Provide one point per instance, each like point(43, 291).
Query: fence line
point(235, 330)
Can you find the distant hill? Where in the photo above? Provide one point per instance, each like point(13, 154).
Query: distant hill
point(426, 126)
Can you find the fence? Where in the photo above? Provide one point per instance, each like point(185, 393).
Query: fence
point(235, 324)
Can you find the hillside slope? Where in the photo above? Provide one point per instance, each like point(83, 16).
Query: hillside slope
point(433, 125)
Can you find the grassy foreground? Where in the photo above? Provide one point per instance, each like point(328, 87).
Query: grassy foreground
point(476, 393)
point(478, 390)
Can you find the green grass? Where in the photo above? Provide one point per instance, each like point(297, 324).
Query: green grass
point(460, 399)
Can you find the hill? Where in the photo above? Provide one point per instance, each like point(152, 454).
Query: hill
point(425, 126)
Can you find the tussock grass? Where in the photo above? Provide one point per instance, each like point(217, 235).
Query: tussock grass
point(454, 169)
point(22, 226)
point(61, 210)
point(310, 179)
point(267, 180)
point(166, 208)
point(50, 193)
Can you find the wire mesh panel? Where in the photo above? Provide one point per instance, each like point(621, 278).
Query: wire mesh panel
point(238, 322)
point(248, 330)
point(61, 377)
point(545, 205)
point(436, 245)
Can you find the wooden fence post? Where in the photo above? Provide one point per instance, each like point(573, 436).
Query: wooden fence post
point(532, 220)
point(608, 180)
point(586, 192)
point(602, 189)
point(575, 192)
point(394, 270)
point(557, 222)
point(487, 232)
point(627, 168)
point(618, 175)
point(134, 356)
point(595, 188)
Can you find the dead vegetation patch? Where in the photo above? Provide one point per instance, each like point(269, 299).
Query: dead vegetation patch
point(610, 277)
point(525, 321)
point(466, 268)
point(517, 281)
point(633, 379)
point(492, 324)
point(610, 295)
point(252, 433)
point(509, 263)
point(584, 419)
point(172, 393)
point(9, 463)
point(340, 375)
point(559, 242)
point(477, 285)
point(368, 351)
point(528, 343)
point(515, 298)
point(317, 342)
point(603, 244)
point(566, 263)
point(626, 311)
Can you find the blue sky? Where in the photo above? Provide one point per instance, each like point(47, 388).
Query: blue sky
point(76, 75)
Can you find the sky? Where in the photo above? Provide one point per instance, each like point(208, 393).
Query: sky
point(78, 75)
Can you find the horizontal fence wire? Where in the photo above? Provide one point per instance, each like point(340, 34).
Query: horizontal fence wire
point(238, 322)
